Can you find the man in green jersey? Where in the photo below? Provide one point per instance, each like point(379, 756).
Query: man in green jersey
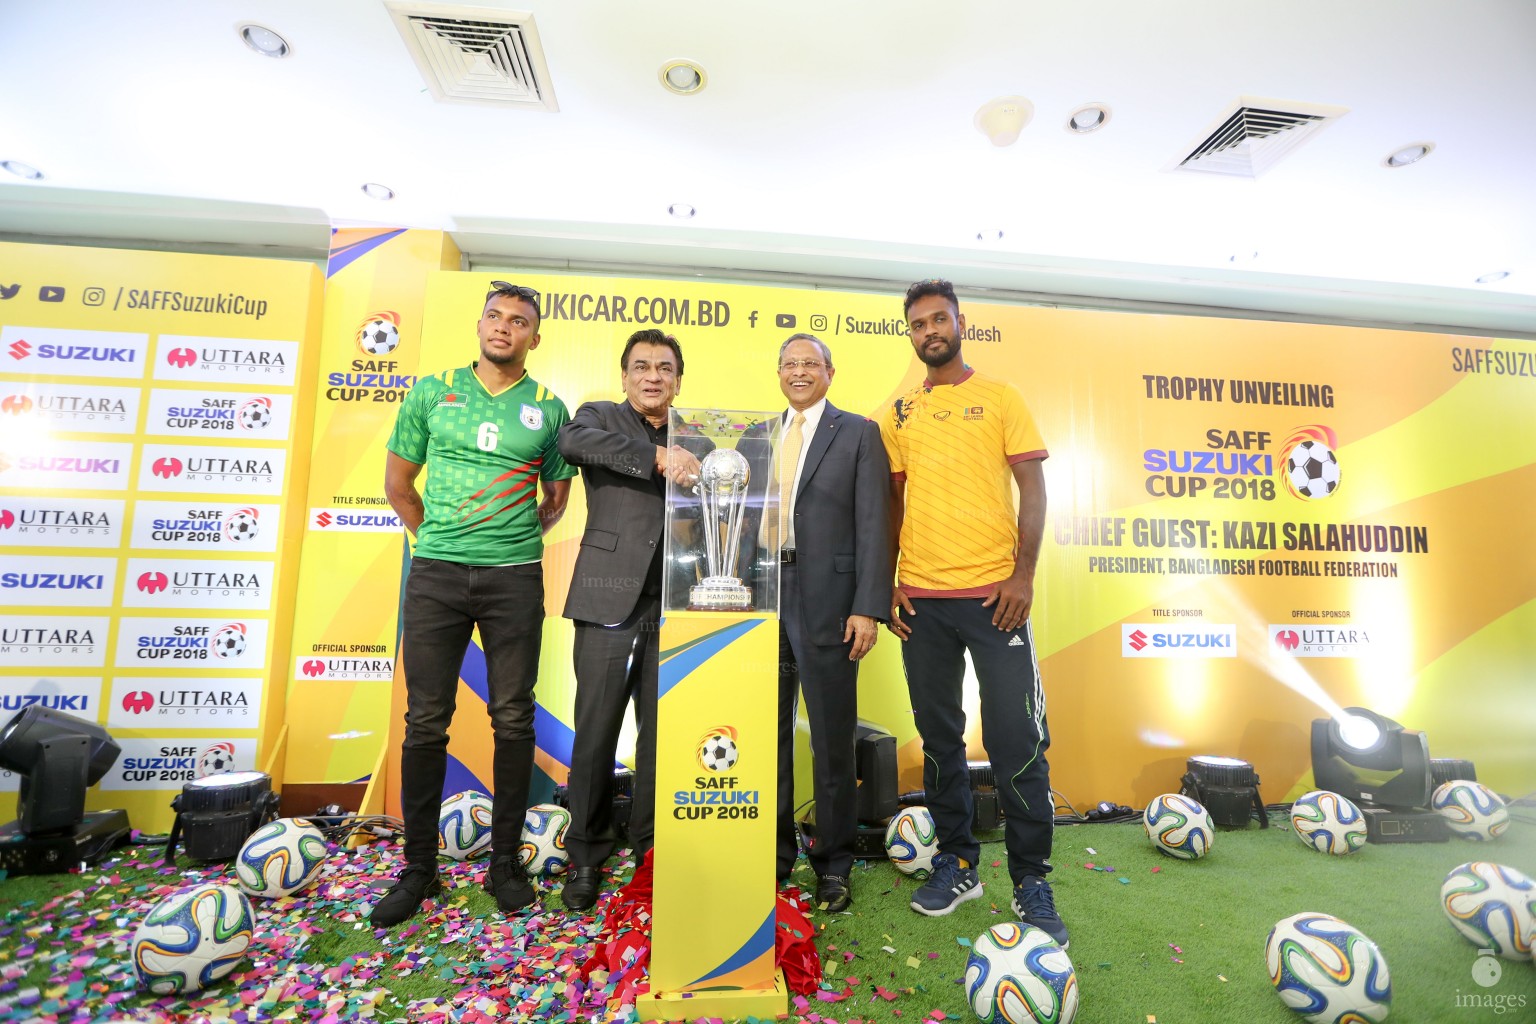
point(487, 431)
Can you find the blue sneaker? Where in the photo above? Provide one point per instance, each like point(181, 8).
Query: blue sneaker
point(1035, 904)
point(948, 886)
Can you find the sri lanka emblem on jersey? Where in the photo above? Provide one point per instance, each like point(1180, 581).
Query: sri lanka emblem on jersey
point(532, 416)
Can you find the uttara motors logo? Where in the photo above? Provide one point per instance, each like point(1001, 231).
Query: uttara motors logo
point(165, 702)
point(340, 520)
point(1298, 641)
point(16, 405)
point(345, 669)
point(181, 358)
point(214, 467)
point(227, 579)
point(716, 794)
point(1190, 640)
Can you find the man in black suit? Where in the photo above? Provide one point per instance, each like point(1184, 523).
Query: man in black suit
point(833, 481)
point(615, 596)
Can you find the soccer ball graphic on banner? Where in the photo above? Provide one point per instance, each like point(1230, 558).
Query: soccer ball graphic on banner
point(1328, 971)
point(1017, 974)
point(911, 841)
point(228, 641)
point(1179, 826)
point(717, 751)
point(464, 825)
point(218, 759)
point(1493, 906)
point(1311, 470)
point(280, 858)
point(255, 414)
point(192, 938)
point(542, 850)
point(378, 337)
point(241, 526)
point(1328, 822)
point(1471, 810)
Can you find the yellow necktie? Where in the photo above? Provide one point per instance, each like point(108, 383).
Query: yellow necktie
point(789, 461)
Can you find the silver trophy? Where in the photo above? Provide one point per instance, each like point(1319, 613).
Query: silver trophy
point(722, 491)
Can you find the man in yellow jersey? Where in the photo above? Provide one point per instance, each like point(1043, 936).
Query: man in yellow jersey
point(488, 433)
point(958, 443)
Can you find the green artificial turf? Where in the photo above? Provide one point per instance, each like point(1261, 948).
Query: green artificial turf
point(1183, 943)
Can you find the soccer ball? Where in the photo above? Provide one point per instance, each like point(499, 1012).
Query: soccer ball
point(1311, 470)
point(1179, 826)
point(255, 414)
point(1328, 971)
point(1328, 823)
point(228, 641)
point(378, 338)
point(718, 752)
point(280, 858)
point(1472, 810)
point(1018, 974)
point(912, 841)
point(241, 526)
point(192, 938)
point(464, 825)
point(542, 851)
point(218, 759)
point(1493, 906)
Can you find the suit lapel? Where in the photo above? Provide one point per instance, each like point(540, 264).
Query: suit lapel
point(819, 443)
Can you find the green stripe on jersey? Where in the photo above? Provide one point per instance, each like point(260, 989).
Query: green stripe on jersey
point(484, 455)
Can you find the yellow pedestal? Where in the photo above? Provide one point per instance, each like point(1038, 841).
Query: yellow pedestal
point(727, 1004)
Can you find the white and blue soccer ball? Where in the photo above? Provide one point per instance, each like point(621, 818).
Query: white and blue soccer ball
point(255, 414)
point(378, 337)
point(464, 825)
point(1179, 826)
point(192, 938)
point(1312, 470)
point(1493, 906)
point(281, 858)
point(912, 841)
point(1471, 809)
point(542, 850)
point(1328, 822)
point(1328, 971)
point(718, 752)
point(1017, 974)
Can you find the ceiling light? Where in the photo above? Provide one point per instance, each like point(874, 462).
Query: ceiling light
point(1088, 118)
point(1409, 154)
point(990, 235)
point(1241, 257)
point(1492, 276)
point(683, 77)
point(373, 190)
point(682, 211)
point(22, 170)
point(1002, 119)
point(264, 41)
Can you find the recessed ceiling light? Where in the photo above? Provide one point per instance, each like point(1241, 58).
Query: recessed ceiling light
point(682, 211)
point(990, 235)
point(22, 170)
point(1245, 256)
point(1409, 154)
point(1492, 276)
point(264, 41)
point(373, 190)
point(683, 77)
point(1002, 119)
point(1090, 117)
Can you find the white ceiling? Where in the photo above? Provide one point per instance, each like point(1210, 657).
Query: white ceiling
point(834, 139)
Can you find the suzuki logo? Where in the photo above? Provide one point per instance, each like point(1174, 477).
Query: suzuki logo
point(181, 357)
point(153, 582)
point(167, 467)
point(314, 667)
point(323, 519)
point(1138, 640)
point(21, 349)
point(1287, 639)
point(139, 701)
point(16, 404)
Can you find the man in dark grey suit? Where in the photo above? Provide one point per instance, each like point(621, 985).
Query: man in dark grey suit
point(615, 596)
point(833, 481)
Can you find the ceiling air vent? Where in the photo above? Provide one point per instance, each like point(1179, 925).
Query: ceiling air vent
point(476, 54)
point(1255, 134)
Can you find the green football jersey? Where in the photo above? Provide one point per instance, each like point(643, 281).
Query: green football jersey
point(484, 455)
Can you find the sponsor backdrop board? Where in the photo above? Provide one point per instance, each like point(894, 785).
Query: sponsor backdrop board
point(153, 408)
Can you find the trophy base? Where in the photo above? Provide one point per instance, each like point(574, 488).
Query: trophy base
point(720, 594)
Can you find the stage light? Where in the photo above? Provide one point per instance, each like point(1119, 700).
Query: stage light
point(1227, 787)
point(58, 757)
point(218, 813)
point(1371, 759)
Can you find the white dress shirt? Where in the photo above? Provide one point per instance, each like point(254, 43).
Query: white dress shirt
point(807, 431)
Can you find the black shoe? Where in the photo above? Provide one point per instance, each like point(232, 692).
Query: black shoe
point(404, 898)
point(1035, 904)
point(509, 885)
point(580, 892)
point(832, 893)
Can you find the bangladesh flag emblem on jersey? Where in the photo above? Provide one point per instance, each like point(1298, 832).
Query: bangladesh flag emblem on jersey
point(532, 416)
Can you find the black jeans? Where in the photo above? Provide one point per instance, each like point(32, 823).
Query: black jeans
point(1013, 728)
point(443, 603)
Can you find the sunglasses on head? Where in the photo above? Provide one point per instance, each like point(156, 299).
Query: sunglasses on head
point(522, 291)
